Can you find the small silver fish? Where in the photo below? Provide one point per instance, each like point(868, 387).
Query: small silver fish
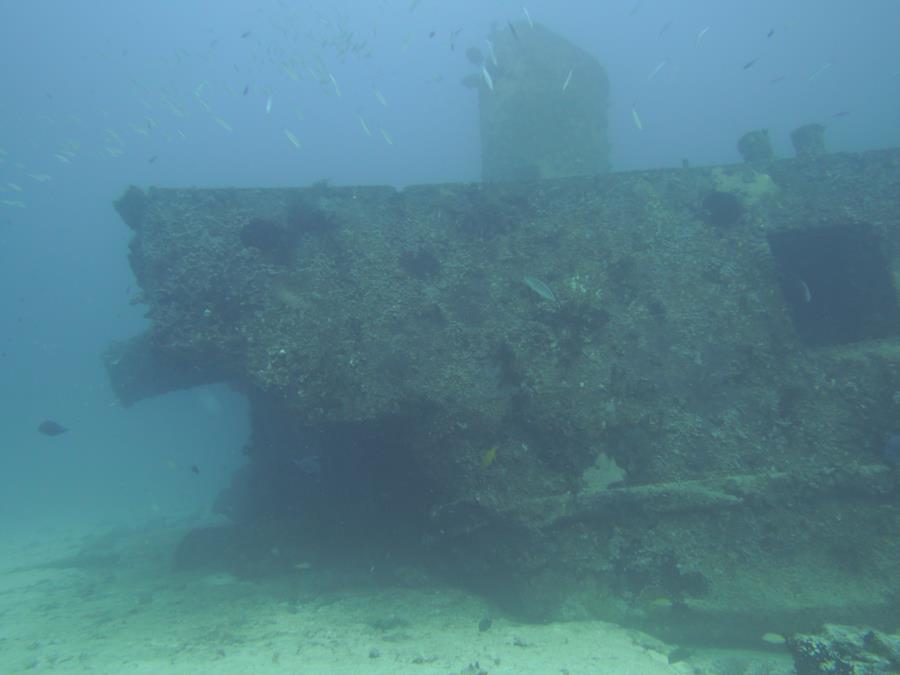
point(568, 79)
point(540, 288)
point(636, 118)
point(491, 52)
point(528, 17)
point(653, 73)
point(701, 34)
point(825, 66)
point(337, 89)
point(292, 138)
point(488, 80)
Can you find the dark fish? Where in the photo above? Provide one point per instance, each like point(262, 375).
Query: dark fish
point(841, 113)
point(246, 89)
point(431, 34)
point(152, 159)
point(770, 33)
point(750, 63)
point(245, 34)
point(512, 29)
point(666, 26)
point(635, 9)
point(475, 56)
point(51, 428)
point(891, 450)
point(453, 35)
point(776, 80)
point(195, 469)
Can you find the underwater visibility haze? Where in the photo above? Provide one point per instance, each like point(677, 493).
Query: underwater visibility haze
point(450, 337)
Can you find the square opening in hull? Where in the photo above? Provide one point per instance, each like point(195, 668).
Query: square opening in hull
point(837, 284)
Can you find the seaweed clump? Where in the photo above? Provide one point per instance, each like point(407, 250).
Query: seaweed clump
point(274, 239)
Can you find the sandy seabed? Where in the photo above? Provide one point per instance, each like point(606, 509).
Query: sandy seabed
point(108, 601)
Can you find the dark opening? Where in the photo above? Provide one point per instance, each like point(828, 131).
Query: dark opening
point(722, 208)
point(836, 283)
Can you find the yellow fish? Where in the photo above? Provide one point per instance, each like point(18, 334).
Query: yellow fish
point(488, 458)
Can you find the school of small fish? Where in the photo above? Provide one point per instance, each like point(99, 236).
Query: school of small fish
point(306, 52)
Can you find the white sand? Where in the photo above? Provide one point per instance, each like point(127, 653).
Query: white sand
point(125, 611)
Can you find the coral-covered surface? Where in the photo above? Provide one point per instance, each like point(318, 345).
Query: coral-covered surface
point(618, 396)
